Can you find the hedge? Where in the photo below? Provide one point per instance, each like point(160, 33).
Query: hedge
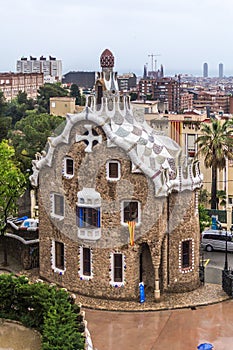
point(46, 308)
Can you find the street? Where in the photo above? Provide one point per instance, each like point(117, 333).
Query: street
point(214, 262)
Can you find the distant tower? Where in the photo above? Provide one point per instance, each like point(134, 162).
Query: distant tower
point(220, 70)
point(205, 70)
point(161, 71)
point(145, 72)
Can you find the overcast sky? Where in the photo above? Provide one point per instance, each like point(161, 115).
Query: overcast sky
point(185, 33)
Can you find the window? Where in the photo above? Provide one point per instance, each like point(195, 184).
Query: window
point(130, 211)
point(85, 271)
point(85, 263)
point(57, 205)
point(191, 146)
point(59, 255)
point(88, 217)
point(68, 168)
point(186, 254)
point(117, 267)
point(88, 214)
point(113, 170)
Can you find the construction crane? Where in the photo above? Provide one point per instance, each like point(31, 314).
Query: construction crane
point(152, 61)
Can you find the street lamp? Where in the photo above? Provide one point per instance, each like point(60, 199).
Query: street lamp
point(226, 260)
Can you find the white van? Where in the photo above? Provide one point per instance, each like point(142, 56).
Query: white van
point(216, 240)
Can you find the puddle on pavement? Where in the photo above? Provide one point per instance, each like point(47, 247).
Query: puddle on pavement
point(14, 336)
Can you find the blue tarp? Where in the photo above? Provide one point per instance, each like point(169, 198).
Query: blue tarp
point(205, 346)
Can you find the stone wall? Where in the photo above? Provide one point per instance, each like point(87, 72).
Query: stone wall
point(162, 239)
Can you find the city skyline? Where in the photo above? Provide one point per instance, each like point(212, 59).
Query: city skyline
point(183, 35)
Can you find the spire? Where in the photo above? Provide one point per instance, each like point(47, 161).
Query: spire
point(145, 72)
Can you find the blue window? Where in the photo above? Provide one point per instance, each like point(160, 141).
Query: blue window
point(88, 217)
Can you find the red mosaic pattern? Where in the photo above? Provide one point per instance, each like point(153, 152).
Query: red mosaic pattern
point(107, 59)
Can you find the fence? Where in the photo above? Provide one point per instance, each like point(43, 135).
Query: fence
point(227, 282)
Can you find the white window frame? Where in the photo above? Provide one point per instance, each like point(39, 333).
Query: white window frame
point(64, 170)
point(53, 259)
point(122, 212)
point(52, 198)
point(108, 172)
point(81, 274)
point(111, 272)
point(191, 267)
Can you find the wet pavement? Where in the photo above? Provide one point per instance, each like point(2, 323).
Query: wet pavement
point(179, 321)
point(182, 329)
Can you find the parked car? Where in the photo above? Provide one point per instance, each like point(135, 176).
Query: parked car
point(24, 223)
point(216, 240)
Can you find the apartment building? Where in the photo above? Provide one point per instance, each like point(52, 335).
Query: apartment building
point(185, 129)
point(12, 83)
point(127, 82)
point(212, 101)
point(50, 67)
point(164, 90)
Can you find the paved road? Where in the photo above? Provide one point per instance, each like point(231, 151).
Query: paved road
point(215, 263)
point(181, 329)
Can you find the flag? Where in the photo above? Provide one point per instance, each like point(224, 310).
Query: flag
point(131, 226)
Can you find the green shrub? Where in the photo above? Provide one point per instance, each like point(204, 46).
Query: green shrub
point(45, 308)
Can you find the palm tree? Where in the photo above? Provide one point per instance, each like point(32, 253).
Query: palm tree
point(221, 198)
point(215, 145)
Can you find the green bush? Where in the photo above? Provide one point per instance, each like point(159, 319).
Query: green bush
point(45, 308)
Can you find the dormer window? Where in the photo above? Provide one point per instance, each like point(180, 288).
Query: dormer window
point(113, 169)
point(68, 167)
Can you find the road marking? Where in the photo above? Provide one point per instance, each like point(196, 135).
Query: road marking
point(206, 262)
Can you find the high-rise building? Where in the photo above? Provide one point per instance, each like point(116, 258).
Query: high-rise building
point(205, 70)
point(220, 70)
point(51, 67)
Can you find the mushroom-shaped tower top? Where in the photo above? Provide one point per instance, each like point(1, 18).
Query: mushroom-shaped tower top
point(107, 59)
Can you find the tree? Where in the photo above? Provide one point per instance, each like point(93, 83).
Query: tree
point(5, 126)
point(204, 197)
point(133, 96)
point(204, 218)
point(221, 198)
point(12, 186)
point(2, 103)
point(30, 135)
point(44, 94)
point(75, 92)
point(215, 145)
point(18, 107)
